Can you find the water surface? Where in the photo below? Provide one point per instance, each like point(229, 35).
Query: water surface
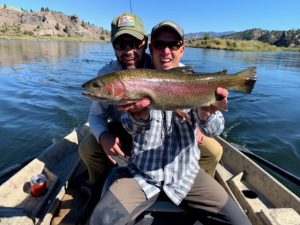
point(41, 97)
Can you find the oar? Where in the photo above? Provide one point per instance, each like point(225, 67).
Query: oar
point(291, 177)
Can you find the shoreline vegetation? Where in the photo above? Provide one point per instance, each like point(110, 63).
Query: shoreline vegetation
point(235, 45)
point(213, 43)
point(49, 38)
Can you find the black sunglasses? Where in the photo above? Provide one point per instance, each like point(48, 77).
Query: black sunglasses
point(172, 45)
point(134, 43)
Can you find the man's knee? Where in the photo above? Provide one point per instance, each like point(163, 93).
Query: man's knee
point(110, 211)
point(233, 214)
point(108, 216)
point(217, 152)
point(88, 147)
point(210, 148)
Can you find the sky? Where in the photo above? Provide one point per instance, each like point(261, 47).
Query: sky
point(193, 15)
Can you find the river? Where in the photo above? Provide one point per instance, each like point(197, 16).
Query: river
point(41, 97)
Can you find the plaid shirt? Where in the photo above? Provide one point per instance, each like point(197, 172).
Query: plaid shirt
point(165, 152)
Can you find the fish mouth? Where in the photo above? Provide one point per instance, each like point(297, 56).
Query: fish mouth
point(92, 96)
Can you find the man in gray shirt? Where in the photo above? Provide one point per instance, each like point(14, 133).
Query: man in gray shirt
point(129, 39)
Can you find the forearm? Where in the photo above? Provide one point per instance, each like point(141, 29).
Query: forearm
point(98, 119)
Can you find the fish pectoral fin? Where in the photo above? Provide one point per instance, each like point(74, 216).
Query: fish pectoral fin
point(128, 101)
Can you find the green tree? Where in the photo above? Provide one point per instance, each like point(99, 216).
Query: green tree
point(42, 9)
point(4, 6)
point(57, 27)
point(207, 36)
point(5, 28)
point(66, 29)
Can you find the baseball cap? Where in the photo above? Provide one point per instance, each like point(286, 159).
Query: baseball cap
point(168, 24)
point(128, 23)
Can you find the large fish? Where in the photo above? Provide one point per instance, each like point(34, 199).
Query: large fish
point(168, 89)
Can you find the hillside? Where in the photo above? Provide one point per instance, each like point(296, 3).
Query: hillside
point(289, 38)
point(202, 34)
point(16, 22)
point(46, 23)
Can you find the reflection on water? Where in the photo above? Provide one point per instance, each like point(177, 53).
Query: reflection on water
point(209, 60)
point(41, 97)
point(40, 94)
point(15, 52)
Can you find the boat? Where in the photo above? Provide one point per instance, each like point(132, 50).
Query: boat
point(260, 195)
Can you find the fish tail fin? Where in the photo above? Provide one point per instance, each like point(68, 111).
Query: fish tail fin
point(246, 80)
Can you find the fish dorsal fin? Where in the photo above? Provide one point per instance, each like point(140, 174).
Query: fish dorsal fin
point(222, 72)
point(183, 69)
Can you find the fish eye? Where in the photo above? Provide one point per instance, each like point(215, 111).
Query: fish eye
point(96, 85)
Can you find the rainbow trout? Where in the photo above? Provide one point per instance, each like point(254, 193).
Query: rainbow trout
point(168, 89)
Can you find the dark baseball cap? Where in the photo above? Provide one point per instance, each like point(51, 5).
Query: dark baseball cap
point(168, 24)
point(128, 23)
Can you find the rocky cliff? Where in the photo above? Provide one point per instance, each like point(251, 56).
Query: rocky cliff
point(47, 23)
point(289, 38)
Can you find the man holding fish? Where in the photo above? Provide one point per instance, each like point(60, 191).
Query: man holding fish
point(108, 140)
point(165, 153)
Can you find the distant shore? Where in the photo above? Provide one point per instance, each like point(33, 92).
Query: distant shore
point(236, 45)
point(215, 43)
point(49, 38)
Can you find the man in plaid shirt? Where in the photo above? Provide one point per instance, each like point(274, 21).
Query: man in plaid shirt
point(165, 154)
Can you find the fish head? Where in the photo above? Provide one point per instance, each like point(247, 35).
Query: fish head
point(99, 88)
point(113, 92)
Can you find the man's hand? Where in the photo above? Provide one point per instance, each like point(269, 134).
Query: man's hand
point(111, 146)
point(199, 136)
point(223, 102)
point(139, 110)
point(205, 112)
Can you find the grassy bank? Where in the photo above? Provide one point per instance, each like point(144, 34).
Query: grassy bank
point(215, 43)
point(236, 45)
point(49, 38)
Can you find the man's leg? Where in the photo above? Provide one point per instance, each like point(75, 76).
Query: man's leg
point(122, 203)
point(94, 158)
point(211, 153)
point(210, 203)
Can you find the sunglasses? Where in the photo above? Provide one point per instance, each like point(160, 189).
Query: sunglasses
point(172, 45)
point(134, 43)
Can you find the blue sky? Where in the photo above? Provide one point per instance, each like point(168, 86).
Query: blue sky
point(192, 15)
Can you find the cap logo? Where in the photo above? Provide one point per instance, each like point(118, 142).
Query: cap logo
point(126, 21)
